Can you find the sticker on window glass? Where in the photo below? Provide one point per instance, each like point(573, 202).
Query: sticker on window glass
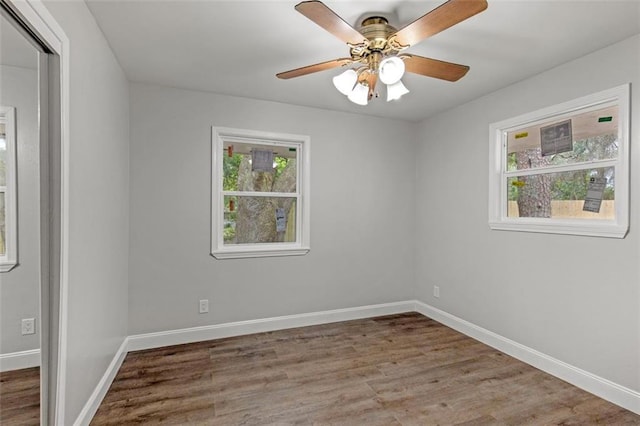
point(595, 190)
point(556, 138)
point(281, 220)
point(522, 135)
point(261, 161)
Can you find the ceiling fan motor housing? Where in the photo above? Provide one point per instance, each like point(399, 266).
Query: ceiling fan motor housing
point(376, 30)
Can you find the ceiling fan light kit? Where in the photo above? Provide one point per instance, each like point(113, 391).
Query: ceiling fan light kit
point(396, 90)
point(391, 70)
point(359, 95)
point(375, 49)
point(346, 81)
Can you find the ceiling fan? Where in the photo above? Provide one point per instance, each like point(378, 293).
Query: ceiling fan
point(377, 49)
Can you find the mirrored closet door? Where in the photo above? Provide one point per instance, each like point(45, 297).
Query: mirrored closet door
point(26, 217)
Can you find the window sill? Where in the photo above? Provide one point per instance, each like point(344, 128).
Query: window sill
point(246, 252)
point(591, 229)
point(7, 266)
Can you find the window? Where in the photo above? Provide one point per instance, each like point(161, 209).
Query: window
point(8, 213)
point(563, 169)
point(260, 200)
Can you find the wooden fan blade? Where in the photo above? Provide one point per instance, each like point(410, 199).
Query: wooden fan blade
point(439, 19)
point(309, 69)
point(330, 21)
point(434, 68)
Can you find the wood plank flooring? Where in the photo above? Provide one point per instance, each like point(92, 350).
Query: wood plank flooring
point(394, 370)
point(20, 397)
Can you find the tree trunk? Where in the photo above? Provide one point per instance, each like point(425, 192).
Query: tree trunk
point(534, 196)
point(256, 216)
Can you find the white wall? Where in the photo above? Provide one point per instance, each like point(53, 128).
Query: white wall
point(20, 287)
point(99, 205)
point(361, 213)
point(574, 298)
point(365, 222)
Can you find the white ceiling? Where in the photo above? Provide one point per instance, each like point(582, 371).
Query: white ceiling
point(237, 47)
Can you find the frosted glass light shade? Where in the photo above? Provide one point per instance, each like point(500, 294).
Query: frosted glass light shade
point(359, 95)
point(396, 90)
point(344, 82)
point(391, 70)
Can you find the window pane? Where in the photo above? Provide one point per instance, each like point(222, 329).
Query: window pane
point(590, 136)
point(560, 195)
point(3, 250)
point(251, 220)
point(259, 168)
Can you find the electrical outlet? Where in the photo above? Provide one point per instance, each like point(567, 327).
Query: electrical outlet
point(436, 291)
point(28, 326)
point(204, 306)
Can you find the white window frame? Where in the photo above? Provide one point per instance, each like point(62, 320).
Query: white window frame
point(498, 191)
point(10, 259)
point(220, 135)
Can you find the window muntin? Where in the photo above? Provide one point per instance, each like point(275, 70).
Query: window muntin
point(8, 195)
point(542, 164)
point(260, 204)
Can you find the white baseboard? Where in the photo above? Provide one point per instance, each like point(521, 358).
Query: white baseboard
point(218, 331)
point(20, 360)
point(94, 401)
point(603, 388)
point(606, 389)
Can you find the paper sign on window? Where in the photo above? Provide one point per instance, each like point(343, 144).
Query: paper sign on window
point(281, 220)
point(261, 161)
point(556, 138)
point(595, 191)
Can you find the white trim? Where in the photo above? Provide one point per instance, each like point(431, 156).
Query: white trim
point(606, 389)
point(10, 258)
point(586, 228)
point(240, 328)
point(36, 14)
point(303, 194)
point(93, 403)
point(498, 219)
point(19, 360)
point(241, 253)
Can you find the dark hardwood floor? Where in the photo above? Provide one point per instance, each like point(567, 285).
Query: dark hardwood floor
point(395, 370)
point(20, 397)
